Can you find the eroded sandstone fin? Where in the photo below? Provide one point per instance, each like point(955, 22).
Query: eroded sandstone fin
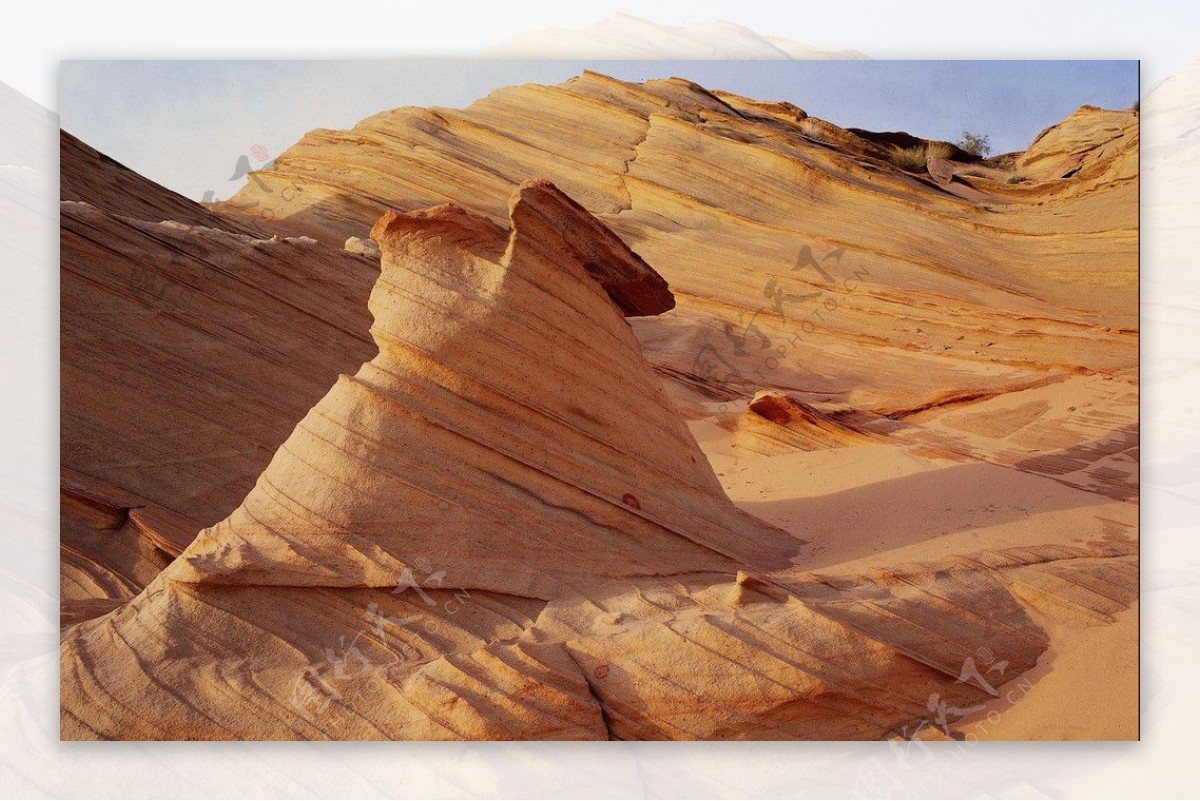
point(509, 428)
point(546, 219)
point(550, 223)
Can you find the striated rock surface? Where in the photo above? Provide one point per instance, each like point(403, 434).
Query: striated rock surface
point(506, 507)
point(774, 423)
point(87, 175)
point(452, 488)
point(172, 355)
point(791, 245)
point(1090, 136)
point(486, 435)
point(188, 352)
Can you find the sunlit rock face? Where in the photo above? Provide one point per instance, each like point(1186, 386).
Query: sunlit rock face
point(449, 488)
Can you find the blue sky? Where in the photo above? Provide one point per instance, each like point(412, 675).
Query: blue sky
point(186, 123)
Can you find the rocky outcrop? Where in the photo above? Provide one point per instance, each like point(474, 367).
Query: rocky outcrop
point(1090, 136)
point(188, 352)
point(446, 490)
point(774, 423)
point(905, 140)
point(499, 528)
point(484, 436)
point(791, 244)
point(361, 247)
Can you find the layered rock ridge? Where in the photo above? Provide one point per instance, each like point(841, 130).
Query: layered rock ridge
point(499, 528)
point(509, 428)
point(495, 524)
point(190, 346)
point(794, 247)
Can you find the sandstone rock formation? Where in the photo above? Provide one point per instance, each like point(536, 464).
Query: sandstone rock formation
point(188, 353)
point(774, 423)
point(497, 522)
point(574, 565)
point(486, 436)
point(791, 244)
point(1090, 136)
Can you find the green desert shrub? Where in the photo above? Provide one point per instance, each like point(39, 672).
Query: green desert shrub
point(976, 144)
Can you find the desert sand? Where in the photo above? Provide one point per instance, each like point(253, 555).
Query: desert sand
point(660, 413)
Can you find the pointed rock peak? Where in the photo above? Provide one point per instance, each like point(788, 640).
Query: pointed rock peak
point(688, 95)
point(546, 220)
point(543, 220)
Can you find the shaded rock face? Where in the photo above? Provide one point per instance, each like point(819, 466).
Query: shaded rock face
point(198, 348)
point(409, 567)
point(87, 175)
point(187, 340)
point(189, 349)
